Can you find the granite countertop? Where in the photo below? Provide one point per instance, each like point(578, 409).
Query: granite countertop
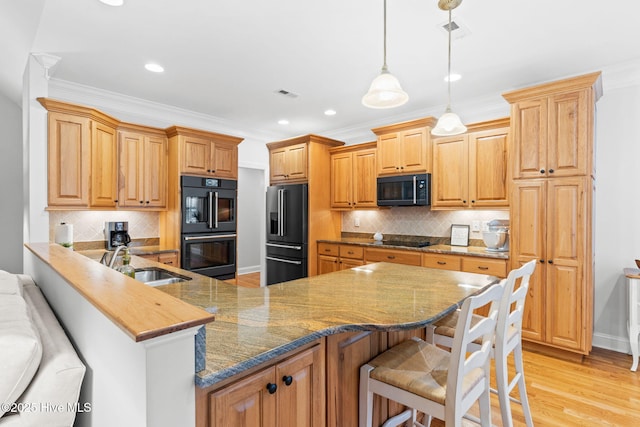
point(254, 325)
point(479, 251)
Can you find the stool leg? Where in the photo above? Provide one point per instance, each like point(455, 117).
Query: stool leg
point(522, 388)
point(502, 379)
point(365, 416)
point(634, 331)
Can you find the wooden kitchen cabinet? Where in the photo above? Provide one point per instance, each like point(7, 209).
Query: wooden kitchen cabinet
point(168, 258)
point(552, 207)
point(481, 265)
point(470, 170)
point(143, 157)
point(203, 153)
point(82, 168)
point(288, 163)
point(353, 177)
point(334, 257)
point(405, 148)
point(442, 261)
point(397, 256)
point(288, 394)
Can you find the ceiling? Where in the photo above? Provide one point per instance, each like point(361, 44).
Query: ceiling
point(227, 59)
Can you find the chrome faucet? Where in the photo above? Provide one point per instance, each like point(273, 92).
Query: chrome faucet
point(112, 261)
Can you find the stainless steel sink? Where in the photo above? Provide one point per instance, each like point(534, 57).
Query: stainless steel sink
point(154, 276)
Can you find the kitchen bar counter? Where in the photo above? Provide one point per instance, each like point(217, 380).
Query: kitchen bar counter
point(477, 251)
point(255, 325)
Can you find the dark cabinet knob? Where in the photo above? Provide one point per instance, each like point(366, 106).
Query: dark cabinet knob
point(550, 170)
point(213, 171)
point(473, 201)
point(541, 170)
point(541, 261)
point(288, 379)
point(116, 201)
point(464, 201)
point(550, 261)
point(209, 170)
point(147, 202)
point(272, 388)
point(141, 202)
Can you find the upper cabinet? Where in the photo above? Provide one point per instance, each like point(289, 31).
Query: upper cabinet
point(470, 170)
point(288, 163)
point(206, 153)
point(552, 127)
point(142, 157)
point(82, 158)
point(405, 148)
point(353, 176)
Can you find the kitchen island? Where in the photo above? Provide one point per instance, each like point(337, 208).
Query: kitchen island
point(312, 333)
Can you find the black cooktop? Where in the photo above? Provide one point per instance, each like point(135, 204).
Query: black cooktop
point(405, 243)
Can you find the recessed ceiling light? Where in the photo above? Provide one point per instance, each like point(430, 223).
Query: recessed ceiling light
point(454, 77)
point(113, 2)
point(283, 122)
point(330, 112)
point(154, 68)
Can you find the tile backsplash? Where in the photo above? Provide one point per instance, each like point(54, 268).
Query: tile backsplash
point(415, 221)
point(89, 225)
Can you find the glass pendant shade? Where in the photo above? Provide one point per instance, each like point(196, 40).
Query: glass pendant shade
point(385, 92)
point(449, 124)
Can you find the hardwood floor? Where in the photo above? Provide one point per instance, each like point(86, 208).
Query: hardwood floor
point(599, 391)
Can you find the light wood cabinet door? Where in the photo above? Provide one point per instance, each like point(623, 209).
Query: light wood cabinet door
point(327, 264)
point(567, 152)
point(301, 393)
point(565, 257)
point(527, 242)
point(246, 402)
point(69, 160)
point(196, 155)
point(143, 170)
point(224, 160)
point(450, 179)
point(388, 154)
point(529, 126)
point(155, 171)
point(288, 163)
point(364, 193)
point(341, 180)
point(488, 186)
point(104, 166)
point(414, 155)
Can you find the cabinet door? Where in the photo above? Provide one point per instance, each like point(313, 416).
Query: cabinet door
point(341, 180)
point(296, 162)
point(488, 168)
point(155, 172)
point(565, 256)
point(346, 352)
point(104, 166)
point(364, 194)
point(568, 134)
point(196, 155)
point(131, 181)
point(414, 154)
point(388, 153)
point(450, 179)
point(529, 125)
point(69, 160)
point(301, 390)
point(327, 264)
point(224, 160)
point(246, 402)
point(277, 164)
point(528, 225)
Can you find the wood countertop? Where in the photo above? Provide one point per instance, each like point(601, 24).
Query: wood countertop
point(477, 251)
point(255, 325)
point(141, 311)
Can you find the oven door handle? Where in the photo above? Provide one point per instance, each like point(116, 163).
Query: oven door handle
point(215, 213)
point(284, 260)
point(209, 237)
point(210, 219)
point(275, 245)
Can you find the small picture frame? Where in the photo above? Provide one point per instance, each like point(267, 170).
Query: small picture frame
point(459, 235)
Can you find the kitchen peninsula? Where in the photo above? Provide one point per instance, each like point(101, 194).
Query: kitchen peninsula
point(298, 332)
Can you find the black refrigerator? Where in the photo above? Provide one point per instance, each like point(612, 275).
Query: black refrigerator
point(287, 232)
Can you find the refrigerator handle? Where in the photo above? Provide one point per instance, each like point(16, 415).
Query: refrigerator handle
point(280, 212)
point(415, 190)
point(283, 211)
point(215, 213)
point(210, 219)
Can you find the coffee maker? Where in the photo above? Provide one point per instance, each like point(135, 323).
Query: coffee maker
point(116, 234)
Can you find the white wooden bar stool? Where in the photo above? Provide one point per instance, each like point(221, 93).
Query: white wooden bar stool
point(431, 380)
point(508, 340)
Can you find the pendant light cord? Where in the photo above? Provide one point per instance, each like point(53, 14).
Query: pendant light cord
point(384, 49)
point(449, 66)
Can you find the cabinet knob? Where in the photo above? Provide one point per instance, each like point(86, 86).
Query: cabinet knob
point(464, 201)
point(116, 201)
point(541, 261)
point(272, 388)
point(288, 379)
point(147, 202)
point(551, 171)
point(541, 170)
point(550, 261)
point(473, 201)
point(141, 202)
point(213, 171)
point(209, 170)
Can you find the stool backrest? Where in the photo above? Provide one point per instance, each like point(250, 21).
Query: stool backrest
point(512, 305)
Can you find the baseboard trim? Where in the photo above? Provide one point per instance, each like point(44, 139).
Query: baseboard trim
point(247, 270)
point(612, 342)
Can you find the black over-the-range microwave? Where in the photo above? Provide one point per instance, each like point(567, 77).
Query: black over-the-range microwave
point(405, 190)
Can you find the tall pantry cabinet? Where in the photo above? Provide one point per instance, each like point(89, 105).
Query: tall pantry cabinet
point(551, 209)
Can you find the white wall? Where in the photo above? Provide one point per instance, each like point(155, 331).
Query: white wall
point(251, 219)
point(617, 204)
point(11, 199)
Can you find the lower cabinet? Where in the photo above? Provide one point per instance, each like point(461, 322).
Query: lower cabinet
point(168, 258)
point(469, 264)
point(334, 257)
point(289, 393)
point(392, 255)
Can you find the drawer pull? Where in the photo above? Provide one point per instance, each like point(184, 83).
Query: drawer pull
point(442, 263)
point(350, 252)
point(482, 267)
point(327, 250)
point(391, 257)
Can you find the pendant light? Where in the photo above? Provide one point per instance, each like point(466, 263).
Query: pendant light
point(385, 90)
point(449, 123)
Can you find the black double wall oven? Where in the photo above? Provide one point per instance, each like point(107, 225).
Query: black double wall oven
point(208, 241)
